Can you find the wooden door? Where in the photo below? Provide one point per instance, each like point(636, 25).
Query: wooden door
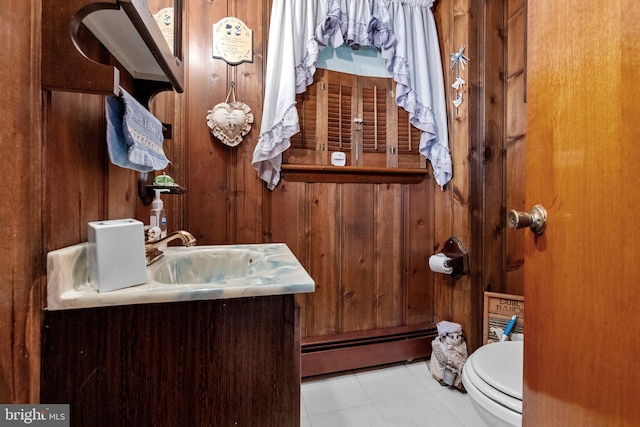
point(582, 275)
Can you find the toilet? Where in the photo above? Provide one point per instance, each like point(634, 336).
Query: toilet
point(492, 376)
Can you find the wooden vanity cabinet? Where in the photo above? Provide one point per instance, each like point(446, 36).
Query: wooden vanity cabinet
point(202, 363)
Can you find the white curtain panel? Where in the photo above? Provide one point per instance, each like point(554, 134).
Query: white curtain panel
point(417, 69)
point(404, 31)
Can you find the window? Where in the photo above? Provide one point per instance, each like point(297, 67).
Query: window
point(358, 116)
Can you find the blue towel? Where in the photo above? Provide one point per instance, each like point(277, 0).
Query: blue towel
point(134, 135)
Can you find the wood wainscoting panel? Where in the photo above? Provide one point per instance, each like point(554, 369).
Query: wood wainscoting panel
point(322, 203)
point(366, 246)
point(418, 244)
point(389, 291)
point(357, 261)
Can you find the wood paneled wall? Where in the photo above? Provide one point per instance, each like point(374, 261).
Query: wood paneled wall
point(458, 209)
point(224, 202)
point(515, 141)
point(366, 246)
point(382, 236)
point(502, 121)
point(21, 263)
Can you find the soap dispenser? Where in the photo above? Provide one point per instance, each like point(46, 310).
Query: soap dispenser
point(158, 214)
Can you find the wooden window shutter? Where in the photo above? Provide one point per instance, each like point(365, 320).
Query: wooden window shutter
point(339, 114)
point(374, 117)
point(306, 105)
point(408, 135)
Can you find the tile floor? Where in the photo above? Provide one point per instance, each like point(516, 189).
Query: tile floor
point(402, 395)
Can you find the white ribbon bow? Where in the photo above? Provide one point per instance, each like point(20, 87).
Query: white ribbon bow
point(458, 58)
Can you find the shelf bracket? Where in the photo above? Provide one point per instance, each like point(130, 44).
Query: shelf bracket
point(73, 59)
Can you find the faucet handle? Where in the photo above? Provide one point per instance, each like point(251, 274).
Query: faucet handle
point(152, 234)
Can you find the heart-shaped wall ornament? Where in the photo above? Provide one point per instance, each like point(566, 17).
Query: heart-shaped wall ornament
point(230, 122)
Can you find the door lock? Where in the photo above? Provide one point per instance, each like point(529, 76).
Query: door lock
point(536, 219)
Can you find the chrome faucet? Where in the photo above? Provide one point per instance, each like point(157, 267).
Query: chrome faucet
point(153, 253)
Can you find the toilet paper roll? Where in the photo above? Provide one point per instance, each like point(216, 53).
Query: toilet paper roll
point(437, 264)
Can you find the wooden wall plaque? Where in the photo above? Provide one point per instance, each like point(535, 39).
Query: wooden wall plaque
point(232, 41)
point(498, 309)
point(166, 22)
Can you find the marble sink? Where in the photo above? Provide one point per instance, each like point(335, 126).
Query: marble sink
point(218, 266)
point(182, 274)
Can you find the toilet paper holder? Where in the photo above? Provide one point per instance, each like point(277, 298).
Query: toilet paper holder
point(459, 262)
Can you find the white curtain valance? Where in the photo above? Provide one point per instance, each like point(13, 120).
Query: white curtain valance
point(403, 31)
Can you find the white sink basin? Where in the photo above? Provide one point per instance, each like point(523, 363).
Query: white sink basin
point(182, 274)
point(213, 265)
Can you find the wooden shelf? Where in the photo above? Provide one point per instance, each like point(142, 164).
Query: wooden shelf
point(352, 174)
point(128, 31)
point(147, 193)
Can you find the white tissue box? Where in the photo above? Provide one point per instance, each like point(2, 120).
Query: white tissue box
point(116, 254)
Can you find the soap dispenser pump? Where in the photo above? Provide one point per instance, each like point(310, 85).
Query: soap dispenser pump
point(158, 214)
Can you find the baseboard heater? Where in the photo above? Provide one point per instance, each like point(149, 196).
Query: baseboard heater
point(326, 355)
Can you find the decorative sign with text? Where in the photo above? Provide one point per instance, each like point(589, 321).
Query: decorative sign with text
point(232, 41)
point(498, 309)
point(165, 21)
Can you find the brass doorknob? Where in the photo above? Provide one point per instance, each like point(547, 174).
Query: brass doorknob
point(536, 219)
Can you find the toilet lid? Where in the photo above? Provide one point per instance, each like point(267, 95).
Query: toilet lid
point(500, 365)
